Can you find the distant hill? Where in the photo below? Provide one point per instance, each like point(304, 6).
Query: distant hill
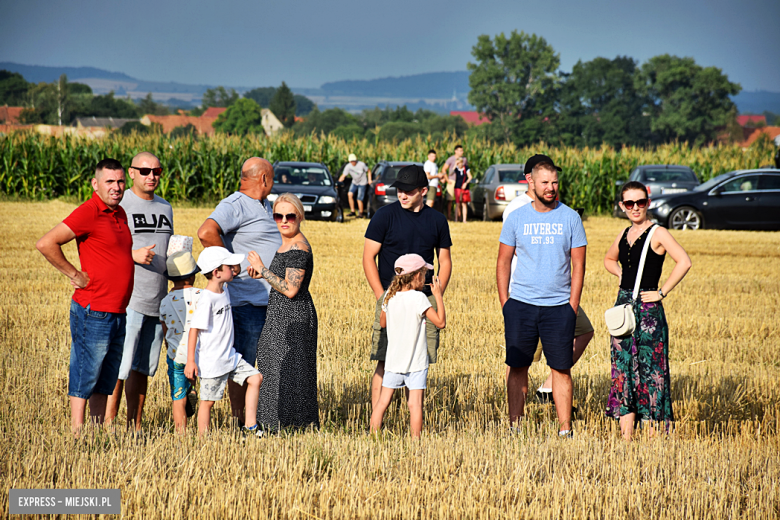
point(757, 101)
point(434, 85)
point(38, 73)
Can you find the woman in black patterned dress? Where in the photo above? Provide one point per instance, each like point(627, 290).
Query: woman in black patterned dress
point(287, 349)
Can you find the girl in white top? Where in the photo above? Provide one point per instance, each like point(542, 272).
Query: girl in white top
point(403, 311)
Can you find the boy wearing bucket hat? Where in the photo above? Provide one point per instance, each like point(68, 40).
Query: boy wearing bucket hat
point(176, 312)
point(361, 177)
point(210, 351)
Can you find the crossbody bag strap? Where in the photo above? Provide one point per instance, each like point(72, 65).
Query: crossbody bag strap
point(642, 262)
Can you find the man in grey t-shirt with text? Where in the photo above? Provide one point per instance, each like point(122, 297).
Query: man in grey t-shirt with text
point(150, 219)
point(244, 222)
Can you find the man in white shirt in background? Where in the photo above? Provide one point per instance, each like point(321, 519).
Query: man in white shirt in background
point(583, 330)
point(432, 172)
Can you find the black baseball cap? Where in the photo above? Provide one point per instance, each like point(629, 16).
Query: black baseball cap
point(538, 159)
point(410, 177)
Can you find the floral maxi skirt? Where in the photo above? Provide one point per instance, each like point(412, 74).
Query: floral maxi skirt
point(640, 366)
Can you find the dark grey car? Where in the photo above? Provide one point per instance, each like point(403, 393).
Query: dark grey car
point(493, 193)
point(384, 174)
point(660, 179)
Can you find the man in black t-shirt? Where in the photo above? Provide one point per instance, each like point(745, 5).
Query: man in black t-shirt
point(404, 227)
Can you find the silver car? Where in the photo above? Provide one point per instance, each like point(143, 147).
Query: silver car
point(493, 193)
point(660, 179)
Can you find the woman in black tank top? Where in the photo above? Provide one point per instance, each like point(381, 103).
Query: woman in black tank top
point(641, 387)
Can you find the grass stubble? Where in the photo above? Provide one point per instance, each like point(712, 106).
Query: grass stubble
point(721, 461)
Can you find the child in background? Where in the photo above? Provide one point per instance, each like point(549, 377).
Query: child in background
point(406, 364)
point(176, 311)
point(210, 342)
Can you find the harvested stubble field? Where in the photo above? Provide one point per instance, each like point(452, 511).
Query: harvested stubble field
point(721, 461)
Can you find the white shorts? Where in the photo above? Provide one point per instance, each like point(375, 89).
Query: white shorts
point(213, 388)
point(411, 380)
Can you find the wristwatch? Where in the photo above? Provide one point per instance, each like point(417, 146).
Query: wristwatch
point(661, 292)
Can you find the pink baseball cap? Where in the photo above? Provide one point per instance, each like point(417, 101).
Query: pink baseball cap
point(410, 263)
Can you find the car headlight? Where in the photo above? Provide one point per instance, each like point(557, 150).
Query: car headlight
point(655, 203)
point(272, 197)
point(327, 199)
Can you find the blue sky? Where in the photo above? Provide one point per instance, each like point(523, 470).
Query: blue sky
point(307, 42)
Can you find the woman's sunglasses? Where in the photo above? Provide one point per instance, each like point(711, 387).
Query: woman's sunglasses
point(629, 204)
point(291, 217)
point(146, 171)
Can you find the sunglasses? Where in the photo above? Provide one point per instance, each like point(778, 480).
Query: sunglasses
point(629, 204)
point(290, 217)
point(146, 171)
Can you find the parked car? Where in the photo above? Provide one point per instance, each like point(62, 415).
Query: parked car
point(313, 184)
point(660, 179)
point(744, 199)
point(384, 174)
point(493, 193)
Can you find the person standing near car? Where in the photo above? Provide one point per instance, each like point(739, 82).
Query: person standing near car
point(244, 222)
point(449, 170)
point(550, 243)
point(462, 193)
point(406, 226)
point(583, 329)
point(432, 172)
point(151, 224)
point(641, 384)
point(361, 177)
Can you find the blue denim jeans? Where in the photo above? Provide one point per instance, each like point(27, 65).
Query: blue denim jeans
point(143, 341)
point(248, 321)
point(95, 352)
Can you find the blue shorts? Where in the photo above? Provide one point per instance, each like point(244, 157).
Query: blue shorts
point(248, 321)
point(411, 380)
point(143, 342)
point(360, 190)
point(180, 385)
point(526, 324)
point(97, 339)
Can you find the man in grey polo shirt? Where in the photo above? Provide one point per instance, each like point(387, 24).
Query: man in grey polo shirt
point(150, 218)
point(244, 222)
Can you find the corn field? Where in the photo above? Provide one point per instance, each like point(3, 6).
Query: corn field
point(206, 169)
point(720, 461)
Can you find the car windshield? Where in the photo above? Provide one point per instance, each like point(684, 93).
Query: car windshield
point(302, 175)
point(511, 175)
point(713, 182)
point(668, 176)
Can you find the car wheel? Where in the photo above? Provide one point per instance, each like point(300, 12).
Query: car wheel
point(340, 215)
point(485, 215)
point(686, 218)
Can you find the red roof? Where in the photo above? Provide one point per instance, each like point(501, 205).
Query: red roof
point(213, 111)
point(471, 117)
point(743, 120)
point(771, 131)
point(10, 115)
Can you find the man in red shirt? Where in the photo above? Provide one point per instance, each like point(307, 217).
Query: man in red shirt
point(103, 288)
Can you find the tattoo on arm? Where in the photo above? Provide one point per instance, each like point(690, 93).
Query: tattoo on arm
point(276, 282)
point(293, 280)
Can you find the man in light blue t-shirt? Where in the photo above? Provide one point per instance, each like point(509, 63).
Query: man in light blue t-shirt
point(244, 222)
point(550, 243)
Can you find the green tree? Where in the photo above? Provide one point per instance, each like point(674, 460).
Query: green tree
point(219, 97)
point(283, 105)
point(183, 131)
point(508, 77)
point(303, 105)
point(325, 121)
point(600, 104)
point(13, 88)
point(241, 118)
point(134, 126)
point(261, 95)
point(147, 105)
point(686, 101)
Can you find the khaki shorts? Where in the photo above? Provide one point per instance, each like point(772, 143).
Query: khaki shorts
point(379, 335)
point(431, 193)
point(582, 326)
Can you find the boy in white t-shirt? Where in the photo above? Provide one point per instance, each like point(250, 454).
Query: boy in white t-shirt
point(403, 313)
point(432, 172)
point(176, 311)
point(210, 342)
